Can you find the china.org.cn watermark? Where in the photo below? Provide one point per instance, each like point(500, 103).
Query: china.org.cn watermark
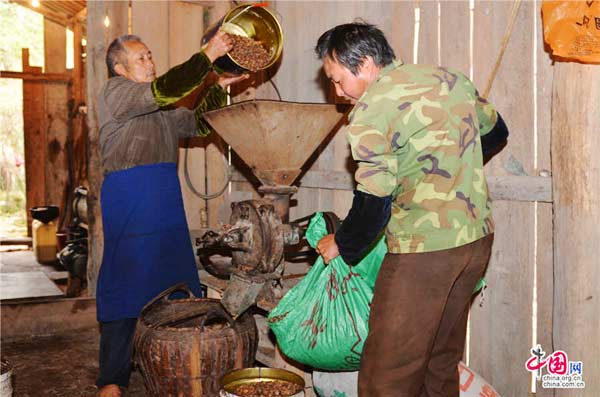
point(560, 372)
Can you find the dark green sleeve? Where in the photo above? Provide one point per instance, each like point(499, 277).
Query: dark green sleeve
point(215, 98)
point(181, 80)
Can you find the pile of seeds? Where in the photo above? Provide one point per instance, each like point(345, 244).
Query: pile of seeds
point(268, 389)
point(249, 53)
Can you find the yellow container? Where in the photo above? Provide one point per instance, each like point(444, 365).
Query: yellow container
point(44, 240)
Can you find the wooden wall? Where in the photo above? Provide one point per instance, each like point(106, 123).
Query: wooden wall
point(46, 122)
point(527, 273)
point(503, 330)
point(54, 130)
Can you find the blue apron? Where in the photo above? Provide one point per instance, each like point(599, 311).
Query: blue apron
point(147, 246)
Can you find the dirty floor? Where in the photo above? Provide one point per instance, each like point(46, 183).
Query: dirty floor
point(59, 365)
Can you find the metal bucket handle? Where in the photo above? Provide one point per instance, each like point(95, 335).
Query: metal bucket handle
point(164, 296)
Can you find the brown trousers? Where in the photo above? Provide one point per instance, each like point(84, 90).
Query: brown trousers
point(418, 322)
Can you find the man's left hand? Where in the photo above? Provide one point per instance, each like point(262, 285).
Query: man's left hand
point(226, 79)
point(327, 248)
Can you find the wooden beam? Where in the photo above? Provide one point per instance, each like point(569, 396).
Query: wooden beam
point(509, 188)
point(57, 112)
point(520, 188)
point(575, 165)
point(34, 128)
point(54, 77)
point(77, 65)
point(78, 18)
point(99, 38)
point(203, 3)
point(51, 15)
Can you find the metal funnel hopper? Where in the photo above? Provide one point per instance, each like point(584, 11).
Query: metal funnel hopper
point(274, 138)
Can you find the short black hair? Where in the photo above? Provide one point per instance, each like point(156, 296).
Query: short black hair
point(116, 50)
point(350, 43)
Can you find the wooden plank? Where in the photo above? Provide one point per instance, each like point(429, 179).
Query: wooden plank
point(98, 39)
point(186, 20)
point(57, 114)
point(34, 109)
point(343, 165)
point(56, 77)
point(55, 50)
point(150, 21)
point(195, 207)
point(216, 151)
point(402, 31)
point(575, 164)
point(77, 65)
point(454, 35)
point(506, 317)
point(545, 253)
point(520, 188)
point(507, 188)
point(78, 19)
point(428, 33)
point(78, 143)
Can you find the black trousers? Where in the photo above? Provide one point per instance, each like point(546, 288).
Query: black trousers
point(116, 348)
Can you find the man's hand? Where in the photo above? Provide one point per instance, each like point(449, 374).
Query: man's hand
point(218, 45)
point(226, 79)
point(327, 248)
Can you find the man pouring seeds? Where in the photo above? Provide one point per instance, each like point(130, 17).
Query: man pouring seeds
point(147, 245)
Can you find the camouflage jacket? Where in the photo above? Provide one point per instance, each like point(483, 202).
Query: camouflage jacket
point(415, 134)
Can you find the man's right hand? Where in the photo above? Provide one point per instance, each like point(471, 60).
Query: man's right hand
point(219, 45)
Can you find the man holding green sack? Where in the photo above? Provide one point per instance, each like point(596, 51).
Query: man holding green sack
point(323, 321)
point(420, 135)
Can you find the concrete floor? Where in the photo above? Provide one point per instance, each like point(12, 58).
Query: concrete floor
point(19, 260)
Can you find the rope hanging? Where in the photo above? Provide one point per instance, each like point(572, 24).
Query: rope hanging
point(503, 45)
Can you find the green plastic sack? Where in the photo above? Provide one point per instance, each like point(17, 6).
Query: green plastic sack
point(323, 321)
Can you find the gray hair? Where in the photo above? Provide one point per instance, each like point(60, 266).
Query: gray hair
point(115, 51)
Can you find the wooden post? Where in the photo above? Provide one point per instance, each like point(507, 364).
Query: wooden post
point(57, 116)
point(34, 130)
point(544, 254)
point(79, 137)
point(576, 189)
point(98, 38)
point(77, 64)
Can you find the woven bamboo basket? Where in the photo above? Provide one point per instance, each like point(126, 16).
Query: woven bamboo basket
point(184, 346)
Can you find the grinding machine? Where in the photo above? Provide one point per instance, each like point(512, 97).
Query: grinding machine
point(274, 138)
